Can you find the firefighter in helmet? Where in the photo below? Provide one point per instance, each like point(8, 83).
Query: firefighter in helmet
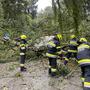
point(53, 51)
point(83, 56)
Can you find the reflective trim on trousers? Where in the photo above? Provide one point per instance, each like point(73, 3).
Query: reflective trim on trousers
point(21, 65)
point(53, 70)
point(87, 84)
point(22, 53)
point(51, 55)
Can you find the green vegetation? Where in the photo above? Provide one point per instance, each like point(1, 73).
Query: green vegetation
point(20, 16)
point(13, 67)
point(63, 70)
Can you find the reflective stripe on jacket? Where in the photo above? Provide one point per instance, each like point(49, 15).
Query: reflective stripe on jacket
point(84, 62)
point(51, 55)
point(83, 54)
point(53, 47)
point(23, 44)
point(73, 42)
point(73, 46)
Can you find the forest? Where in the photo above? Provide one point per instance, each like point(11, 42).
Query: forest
point(19, 17)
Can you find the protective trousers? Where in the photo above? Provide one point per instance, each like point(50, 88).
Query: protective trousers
point(22, 58)
point(52, 66)
point(86, 75)
point(83, 74)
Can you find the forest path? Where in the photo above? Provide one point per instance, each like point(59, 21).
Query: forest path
point(35, 78)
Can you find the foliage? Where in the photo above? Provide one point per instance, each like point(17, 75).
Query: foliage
point(70, 14)
point(20, 16)
point(63, 70)
point(32, 8)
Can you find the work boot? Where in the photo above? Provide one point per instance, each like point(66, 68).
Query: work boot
point(22, 69)
point(53, 74)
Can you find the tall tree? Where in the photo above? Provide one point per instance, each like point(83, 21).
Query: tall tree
point(13, 7)
point(75, 9)
point(74, 13)
point(32, 8)
point(16, 15)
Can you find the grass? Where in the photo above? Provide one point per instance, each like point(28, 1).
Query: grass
point(63, 70)
point(13, 67)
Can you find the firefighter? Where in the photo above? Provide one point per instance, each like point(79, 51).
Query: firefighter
point(23, 46)
point(53, 51)
point(72, 51)
point(83, 56)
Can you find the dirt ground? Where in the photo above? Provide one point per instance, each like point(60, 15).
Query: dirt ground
point(35, 78)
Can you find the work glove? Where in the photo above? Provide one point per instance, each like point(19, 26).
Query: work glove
point(65, 62)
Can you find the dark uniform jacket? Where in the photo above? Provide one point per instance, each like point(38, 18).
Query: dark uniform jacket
point(53, 48)
point(83, 54)
point(23, 44)
point(73, 45)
